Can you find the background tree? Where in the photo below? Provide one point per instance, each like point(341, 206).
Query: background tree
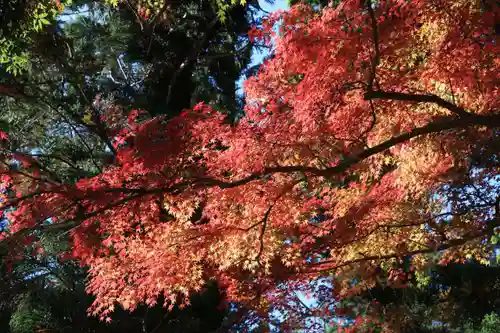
point(451, 298)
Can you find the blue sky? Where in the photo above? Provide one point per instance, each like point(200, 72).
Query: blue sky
point(257, 57)
point(278, 4)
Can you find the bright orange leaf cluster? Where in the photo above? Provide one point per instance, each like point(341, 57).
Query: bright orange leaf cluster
point(356, 151)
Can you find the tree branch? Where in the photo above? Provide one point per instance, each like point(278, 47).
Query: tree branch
point(395, 96)
point(450, 244)
point(261, 236)
point(72, 223)
point(375, 38)
point(443, 124)
point(438, 126)
point(59, 158)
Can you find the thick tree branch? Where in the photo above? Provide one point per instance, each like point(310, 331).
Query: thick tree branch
point(441, 125)
point(375, 61)
point(438, 126)
point(375, 38)
point(395, 96)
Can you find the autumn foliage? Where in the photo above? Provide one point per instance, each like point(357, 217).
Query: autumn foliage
point(368, 144)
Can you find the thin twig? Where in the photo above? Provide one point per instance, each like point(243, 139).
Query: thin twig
point(450, 244)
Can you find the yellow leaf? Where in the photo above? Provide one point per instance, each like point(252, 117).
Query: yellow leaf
point(87, 119)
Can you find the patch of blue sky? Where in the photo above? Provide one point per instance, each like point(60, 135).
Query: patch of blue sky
point(71, 15)
point(259, 56)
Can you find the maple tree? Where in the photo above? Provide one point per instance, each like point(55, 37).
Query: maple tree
point(104, 53)
point(369, 142)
